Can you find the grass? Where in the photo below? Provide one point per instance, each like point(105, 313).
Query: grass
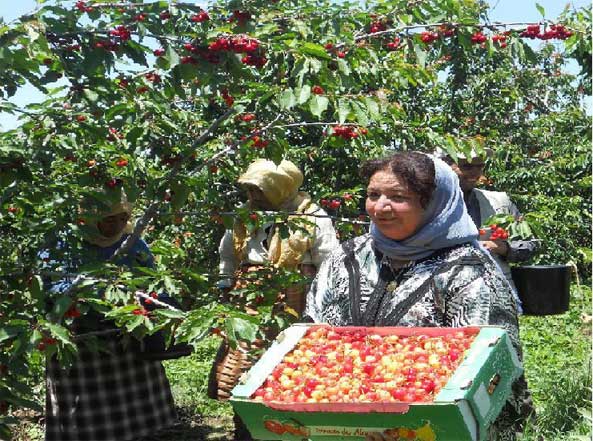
point(557, 358)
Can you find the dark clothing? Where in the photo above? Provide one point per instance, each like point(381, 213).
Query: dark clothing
point(112, 395)
point(107, 397)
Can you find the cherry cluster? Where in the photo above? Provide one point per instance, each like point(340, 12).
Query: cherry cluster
point(247, 117)
point(82, 7)
point(496, 232)
point(153, 77)
point(478, 38)
point(377, 26)
point(237, 44)
point(113, 183)
point(241, 17)
point(333, 204)
point(317, 90)
point(258, 143)
point(114, 134)
point(345, 132)
point(45, 342)
point(108, 45)
point(72, 312)
point(394, 44)
point(121, 32)
point(557, 31)
point(344, 365)
point(332, 49)
point(228, 99)
point(429, 36)
point(501, 39)
point(200, 17)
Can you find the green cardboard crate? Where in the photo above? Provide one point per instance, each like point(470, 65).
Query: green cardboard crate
point(463, 409)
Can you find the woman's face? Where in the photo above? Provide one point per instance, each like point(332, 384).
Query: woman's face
point(468, 172)
point(110, 226)
point(392, 206)
point(257, 198)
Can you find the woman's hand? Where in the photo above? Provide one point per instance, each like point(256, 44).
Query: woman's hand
point(378, 436)
point(500, 247)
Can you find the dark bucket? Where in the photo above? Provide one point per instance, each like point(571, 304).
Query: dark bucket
point(543, 289)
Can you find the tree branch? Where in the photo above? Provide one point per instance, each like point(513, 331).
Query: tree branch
point(153, 209)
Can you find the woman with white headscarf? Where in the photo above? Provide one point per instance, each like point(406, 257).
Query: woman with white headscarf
point(419, 266)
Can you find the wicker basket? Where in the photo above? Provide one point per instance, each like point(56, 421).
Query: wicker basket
point(295, 299)
point(229, 365)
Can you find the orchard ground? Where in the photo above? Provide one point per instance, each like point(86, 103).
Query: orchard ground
point(557, 364)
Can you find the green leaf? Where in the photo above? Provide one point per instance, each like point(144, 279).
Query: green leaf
point(136, 52)
point(180, 194)
point(228, 221)
point(315, 50)
point(541, 9)
point(170, 313)
point(61, 305)
point(8, 332)
point(196, 326)
point(303, 94)
point(360, 112)
point(172, 56)
point(372, 107)
point(318, 104)
point(529, 54)
point(287, 99)
point(61, 333)
point(91, 95)
point(134, 323)
point(343, 110)
point(420, 55)
point(344, 67)
point(240, 329)
point(36, 288)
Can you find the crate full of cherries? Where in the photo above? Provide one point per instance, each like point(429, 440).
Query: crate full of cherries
point(318, 382)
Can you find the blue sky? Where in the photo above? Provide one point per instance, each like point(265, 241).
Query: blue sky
point(502, 10)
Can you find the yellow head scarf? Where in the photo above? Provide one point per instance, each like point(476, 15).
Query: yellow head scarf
point(280, 184)
point(108, 203)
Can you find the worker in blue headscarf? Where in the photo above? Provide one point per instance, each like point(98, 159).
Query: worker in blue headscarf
point(419, 266)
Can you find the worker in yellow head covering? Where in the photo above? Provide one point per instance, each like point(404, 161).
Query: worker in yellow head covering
point(276, 187)
point(269, 187)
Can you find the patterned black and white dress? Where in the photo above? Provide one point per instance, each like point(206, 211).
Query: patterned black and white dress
point(112, 395)
point(458, 286)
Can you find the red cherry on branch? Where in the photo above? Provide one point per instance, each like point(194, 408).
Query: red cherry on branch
point(317, 90)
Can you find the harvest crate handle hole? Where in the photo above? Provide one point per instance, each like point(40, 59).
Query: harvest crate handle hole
point(494, 381)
